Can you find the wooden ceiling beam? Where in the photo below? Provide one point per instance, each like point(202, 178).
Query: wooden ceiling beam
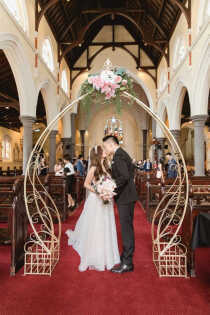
point(186, 11)
point(87, 27)
point(10, 98)
point(153, 21)
point(69, 28)
point(43, 10)
point(114, 10)
point(159, 15)
point(12, 105)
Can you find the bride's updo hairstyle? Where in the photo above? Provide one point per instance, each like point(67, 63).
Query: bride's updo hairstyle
point(96, 156)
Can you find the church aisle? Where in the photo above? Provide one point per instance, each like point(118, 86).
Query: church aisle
point(71, 292)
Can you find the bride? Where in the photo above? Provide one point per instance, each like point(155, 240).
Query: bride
point(95, 237)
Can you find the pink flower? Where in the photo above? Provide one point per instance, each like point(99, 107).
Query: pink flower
point(105, 89)
point(115, 86)
point(124, 82)
point(118, 79)
point(98, 83)
point(108, 96)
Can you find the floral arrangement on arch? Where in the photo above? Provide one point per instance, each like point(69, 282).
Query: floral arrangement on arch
point(109, 84)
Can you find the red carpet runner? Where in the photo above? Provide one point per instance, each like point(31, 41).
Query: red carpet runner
point(70, 292)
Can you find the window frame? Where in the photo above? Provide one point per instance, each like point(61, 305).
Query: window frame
point(49, 63)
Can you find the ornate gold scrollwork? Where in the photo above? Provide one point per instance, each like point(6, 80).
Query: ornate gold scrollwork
point(43, 248)
point(169, 253)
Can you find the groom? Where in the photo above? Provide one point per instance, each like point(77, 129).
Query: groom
point(126, 197)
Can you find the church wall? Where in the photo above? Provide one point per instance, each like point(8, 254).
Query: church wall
point(44, 77)
point(118, 58)
point(132, 140)
point(185, 75)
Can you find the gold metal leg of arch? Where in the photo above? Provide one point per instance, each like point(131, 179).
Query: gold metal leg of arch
point(42, 250)
point(169, 253)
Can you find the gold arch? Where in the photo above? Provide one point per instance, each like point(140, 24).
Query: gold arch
point(43, 249)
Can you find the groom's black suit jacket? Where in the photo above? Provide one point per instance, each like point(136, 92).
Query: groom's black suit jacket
point(123, 174)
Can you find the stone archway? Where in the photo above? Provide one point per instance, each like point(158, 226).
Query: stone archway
point(21, 69)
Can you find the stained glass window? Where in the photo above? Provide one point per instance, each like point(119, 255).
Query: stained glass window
point(18, 10)
point(6, 148)
point(163, 80)
point(64, 82)
point(179, 52)
point(47, 54)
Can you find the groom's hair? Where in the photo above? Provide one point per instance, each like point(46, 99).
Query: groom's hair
point(110, 137)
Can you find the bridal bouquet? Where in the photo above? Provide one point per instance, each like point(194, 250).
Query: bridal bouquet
point(105, 187)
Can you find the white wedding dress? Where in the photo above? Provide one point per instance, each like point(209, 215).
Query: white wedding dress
point(95, 236)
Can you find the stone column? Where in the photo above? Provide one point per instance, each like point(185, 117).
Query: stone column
point(82, 134)
point(144, 136)
point(160, 151)
point(199, 154)
point(66, 145)
point(27, 122)
point(52, 150)
point(176, 133)
point(153, 128)
point(73, 133)
point(208, 153)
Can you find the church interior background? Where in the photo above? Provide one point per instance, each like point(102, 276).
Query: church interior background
point(48, 48)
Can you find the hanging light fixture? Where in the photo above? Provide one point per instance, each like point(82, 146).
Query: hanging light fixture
point(114, 127)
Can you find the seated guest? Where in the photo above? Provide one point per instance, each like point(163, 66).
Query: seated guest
point(58, 168)
point(70, 177)
point(140, 165)
point(85, 162)
point(171, 166)
point(147, 165)
point(80, 166)
point(43, 167)
point(155, 165)
point(159, 170)
point(135, 163)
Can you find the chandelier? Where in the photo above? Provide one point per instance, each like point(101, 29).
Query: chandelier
point(114, 127)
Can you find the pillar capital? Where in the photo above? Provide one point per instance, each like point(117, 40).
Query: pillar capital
point(65, 140)
point(53, 133)
point(177, 134)
point(161, 140)
point(199, 120)
point(27, 120)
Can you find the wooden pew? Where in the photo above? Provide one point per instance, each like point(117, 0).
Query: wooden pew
point(79, 190)
point(141, 180)
point(154, 195)
point(57, 190)
point(199, 201)
point(12, 213)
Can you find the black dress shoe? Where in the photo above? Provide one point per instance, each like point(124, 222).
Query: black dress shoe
point(123, 268)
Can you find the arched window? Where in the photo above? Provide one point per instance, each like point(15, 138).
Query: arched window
point(64, 82)
point(47, 54)
point(203, 14)
point(18, 10)
point(207, 12)
point(163, 80)
point(6, 148)
point(179, 52)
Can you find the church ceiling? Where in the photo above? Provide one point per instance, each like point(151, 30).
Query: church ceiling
point(76, 23)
